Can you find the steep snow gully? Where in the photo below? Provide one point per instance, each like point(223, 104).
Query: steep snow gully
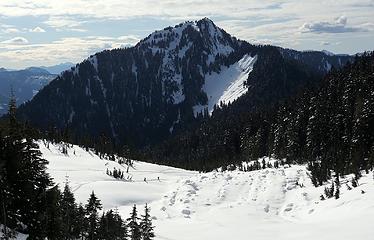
point(265, 204)
point(227, 85)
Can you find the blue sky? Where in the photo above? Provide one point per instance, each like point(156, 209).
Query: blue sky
point(48, 32)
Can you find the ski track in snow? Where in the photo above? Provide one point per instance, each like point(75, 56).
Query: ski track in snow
point(261, 205)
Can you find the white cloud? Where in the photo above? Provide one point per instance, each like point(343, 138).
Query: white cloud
point(337, 26)
point(37, 30)
point(72, 49)
point(10, 30)
point(129, 39)
point(62, 22)
point(65, 23)
point(71, 15)
point(187, 9)
point(16, 41)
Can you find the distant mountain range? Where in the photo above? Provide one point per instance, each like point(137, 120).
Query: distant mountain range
point(143, 94)
point(26, 82)
point(57, 69)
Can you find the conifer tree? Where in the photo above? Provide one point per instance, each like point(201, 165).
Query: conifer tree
point(54, 221)
point(69, 212)
point(80, 223)
point(112, 227)
point(92, 207)
point(146, 225)
point(26, 178)
point(133, 225)
point(120, 227)
point(5, 196)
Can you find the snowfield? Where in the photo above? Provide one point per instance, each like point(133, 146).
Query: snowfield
point(265, 204)
point(227, 85)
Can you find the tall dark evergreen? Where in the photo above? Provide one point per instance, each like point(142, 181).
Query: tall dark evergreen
point(133, 225)
point(69, 214)
point(54, 219)
point(92, 215)
point(6, 195)
point(25, 178)
point(80, 222)
point(146, 227)
point(111, 226)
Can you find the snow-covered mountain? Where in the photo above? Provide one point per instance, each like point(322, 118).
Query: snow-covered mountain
point(257, 205)
point(142, 94)
point(25, 83)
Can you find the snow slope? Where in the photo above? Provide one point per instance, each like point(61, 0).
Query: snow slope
point(265, 204)
point(227, 85)
point(86, 172)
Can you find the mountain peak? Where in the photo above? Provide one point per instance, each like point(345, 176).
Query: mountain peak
point(201, 39)
point(37, 70)
point(191, 30)
point(202, 34)
point(328, 53)
point(205, 20)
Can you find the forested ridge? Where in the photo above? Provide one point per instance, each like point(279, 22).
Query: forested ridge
point(329, 127)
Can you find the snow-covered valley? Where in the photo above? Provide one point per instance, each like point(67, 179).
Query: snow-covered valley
point(265, 204)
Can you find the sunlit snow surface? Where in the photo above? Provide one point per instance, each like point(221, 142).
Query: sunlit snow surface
point(227, 85)
point(265, 204)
